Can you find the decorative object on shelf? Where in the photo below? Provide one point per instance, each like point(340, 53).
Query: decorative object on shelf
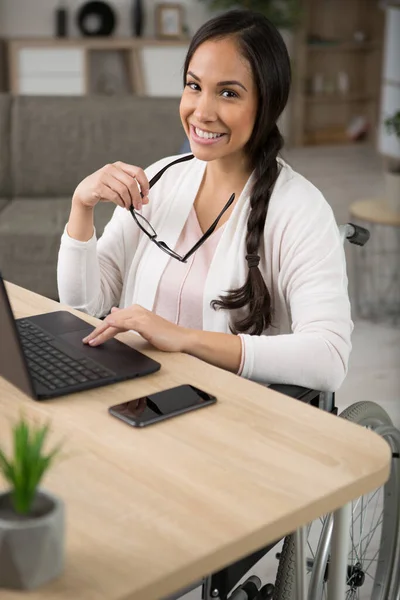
point(138, 17)
point(61, 20)
point(318, 83)
point(31, 520)
point(343, 82)
point(169, 21)
point(357, 129)
point(360, 36)
point(285, 14)
point(392, 171)
point(96, 19)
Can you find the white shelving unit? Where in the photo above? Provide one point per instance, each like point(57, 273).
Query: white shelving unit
point(53, 71)
point(79, 66)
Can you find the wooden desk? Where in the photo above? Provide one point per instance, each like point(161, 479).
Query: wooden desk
point(150, 511)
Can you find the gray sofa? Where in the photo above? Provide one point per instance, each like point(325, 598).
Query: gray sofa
point(48, 145)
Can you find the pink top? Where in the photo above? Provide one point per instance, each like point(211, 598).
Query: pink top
point(179, 297)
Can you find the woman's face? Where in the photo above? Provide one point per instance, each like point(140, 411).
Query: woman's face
point(219, 103)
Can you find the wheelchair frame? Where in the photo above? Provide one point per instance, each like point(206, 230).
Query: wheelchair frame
point(218, 585)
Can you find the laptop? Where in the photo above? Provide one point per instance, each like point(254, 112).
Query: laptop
point(45, 357)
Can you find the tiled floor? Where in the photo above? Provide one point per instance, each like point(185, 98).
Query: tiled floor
point(346, 174)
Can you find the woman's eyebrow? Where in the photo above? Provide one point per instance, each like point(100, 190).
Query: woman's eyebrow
point(220, 83)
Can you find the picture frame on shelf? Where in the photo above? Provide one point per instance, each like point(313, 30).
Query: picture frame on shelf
point(169, 21)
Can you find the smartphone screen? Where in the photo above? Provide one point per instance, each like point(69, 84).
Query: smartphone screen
point(162, 405)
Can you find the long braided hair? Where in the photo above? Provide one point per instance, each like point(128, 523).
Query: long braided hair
point(262, 46)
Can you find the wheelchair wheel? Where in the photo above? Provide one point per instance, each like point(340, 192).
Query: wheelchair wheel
point(374, 549)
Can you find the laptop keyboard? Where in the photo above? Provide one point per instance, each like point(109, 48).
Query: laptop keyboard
point(51, 367)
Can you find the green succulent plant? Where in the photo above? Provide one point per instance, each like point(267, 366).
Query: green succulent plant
point(285, 14)
point(24, 469)
point(392, 124)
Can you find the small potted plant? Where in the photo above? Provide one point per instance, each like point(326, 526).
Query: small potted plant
point(392, 173)
point(31, 520)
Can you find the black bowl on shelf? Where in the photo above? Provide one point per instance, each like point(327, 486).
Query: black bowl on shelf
point(96, 18)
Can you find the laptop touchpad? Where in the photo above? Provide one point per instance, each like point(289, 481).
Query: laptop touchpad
point(112, 353)
point(59, 322)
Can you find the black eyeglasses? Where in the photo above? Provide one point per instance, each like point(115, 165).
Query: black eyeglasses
point(149, 230)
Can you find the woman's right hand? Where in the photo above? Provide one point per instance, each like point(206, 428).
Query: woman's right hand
point(118, 183)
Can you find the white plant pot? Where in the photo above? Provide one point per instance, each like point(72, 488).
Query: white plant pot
point(31, 548)
point(392, 185)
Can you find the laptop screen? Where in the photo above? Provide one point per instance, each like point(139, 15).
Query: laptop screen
point(12, 360)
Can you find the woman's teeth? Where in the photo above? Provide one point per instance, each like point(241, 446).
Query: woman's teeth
point(206, 134)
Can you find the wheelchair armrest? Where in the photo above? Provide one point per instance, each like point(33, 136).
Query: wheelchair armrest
point(296, 391)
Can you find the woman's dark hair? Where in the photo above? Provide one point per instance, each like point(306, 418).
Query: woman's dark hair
point(262, 46)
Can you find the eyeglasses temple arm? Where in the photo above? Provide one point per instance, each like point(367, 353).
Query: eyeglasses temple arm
point(209, 231)
point(158, 175)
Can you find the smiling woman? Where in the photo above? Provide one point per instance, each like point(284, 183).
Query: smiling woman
point(218, 114)
point(225, 253)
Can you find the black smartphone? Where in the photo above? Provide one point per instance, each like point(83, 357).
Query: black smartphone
point(161, 405)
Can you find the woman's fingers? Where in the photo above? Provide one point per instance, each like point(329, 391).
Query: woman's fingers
point(120, 183)
point(124, 185)
point(103, 336)
point(124, 319)
point(118, 321)
point(102, 332)
point(139, 175)
point(98, 330)
point(121, 195)
point(108, 194)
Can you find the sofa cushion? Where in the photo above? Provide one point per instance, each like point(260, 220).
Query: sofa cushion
point(58, 141)
point(3, 203)
point(30, 232)
point(5, 172)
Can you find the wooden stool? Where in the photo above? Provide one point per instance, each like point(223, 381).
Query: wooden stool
point(377, 264)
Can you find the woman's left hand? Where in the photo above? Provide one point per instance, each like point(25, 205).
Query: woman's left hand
point(161, 333)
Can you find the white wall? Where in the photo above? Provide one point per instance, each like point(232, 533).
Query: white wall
point(35, 18)
point(390, 92)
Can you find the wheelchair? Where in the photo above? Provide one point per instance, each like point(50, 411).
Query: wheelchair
point(373, 569)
